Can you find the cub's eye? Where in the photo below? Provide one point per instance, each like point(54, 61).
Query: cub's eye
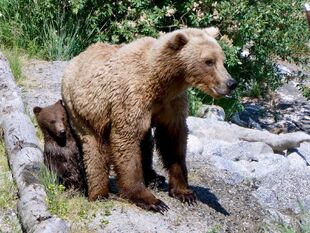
point(210, 62)
point(53, 122)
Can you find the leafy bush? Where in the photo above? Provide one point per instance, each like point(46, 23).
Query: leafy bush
point(254, 34)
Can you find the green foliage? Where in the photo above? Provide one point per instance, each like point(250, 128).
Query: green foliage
point(55, 192)
point(195, 101)
point(14, 57)
point(305, 90)
point(8, 195)
point(7, 187)
point(197, 98)
point(215, 229)
point(300, 224)
point(267, 30)
point(72, 206)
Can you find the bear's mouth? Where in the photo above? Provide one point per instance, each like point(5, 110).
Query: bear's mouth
point(220, 92)
point(61, 139)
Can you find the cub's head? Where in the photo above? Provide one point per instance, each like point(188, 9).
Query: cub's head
point(202, 60)
point(52, 119)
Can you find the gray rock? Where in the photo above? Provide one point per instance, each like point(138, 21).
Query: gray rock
point(237, 172)
point(296, 161)
point(211, 112)
point(195, 124)
point(239, 151)
point(249, 116)
point(266, 164)
point(194, 146)
point(304, 152)
point(284, 189)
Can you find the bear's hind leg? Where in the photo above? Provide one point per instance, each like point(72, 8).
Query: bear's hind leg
point(151, 178)
point(96, 160)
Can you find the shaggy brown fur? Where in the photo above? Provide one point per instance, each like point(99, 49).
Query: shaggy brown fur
point(61, 152)
point(115, 95)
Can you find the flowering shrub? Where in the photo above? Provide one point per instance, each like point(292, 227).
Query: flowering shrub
point(253, 33)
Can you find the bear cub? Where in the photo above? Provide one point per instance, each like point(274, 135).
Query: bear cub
point(62, 154)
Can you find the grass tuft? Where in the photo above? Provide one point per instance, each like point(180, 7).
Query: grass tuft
point(71, 205)
point(8, 196)
point(298, 224)
point(60, 44)
point(14, 57)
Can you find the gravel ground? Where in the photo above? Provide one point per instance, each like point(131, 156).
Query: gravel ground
point(41, 86)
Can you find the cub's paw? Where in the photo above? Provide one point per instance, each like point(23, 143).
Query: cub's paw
point(185, 196)
point(159, 206)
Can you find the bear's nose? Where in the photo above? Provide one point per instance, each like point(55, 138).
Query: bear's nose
point(232, 84)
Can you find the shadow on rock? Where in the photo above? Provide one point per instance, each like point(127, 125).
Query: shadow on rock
point(205, 196)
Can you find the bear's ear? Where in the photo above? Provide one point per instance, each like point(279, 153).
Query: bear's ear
point(60, 102)
point(37, 110)
point(178, 40)
point(212, 31)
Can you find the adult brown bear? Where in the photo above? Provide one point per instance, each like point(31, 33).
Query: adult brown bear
point(115, 95)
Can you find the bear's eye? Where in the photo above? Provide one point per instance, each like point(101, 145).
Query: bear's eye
point(52, 121)
point(210, 62)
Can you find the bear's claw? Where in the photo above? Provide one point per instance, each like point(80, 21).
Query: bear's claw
point(159, 207)
point(188, 197)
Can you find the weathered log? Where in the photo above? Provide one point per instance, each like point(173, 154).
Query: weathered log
point(279, 142)
point(221, 130)
point(25, 158)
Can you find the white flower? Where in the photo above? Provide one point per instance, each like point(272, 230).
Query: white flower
point(170, 12)
point(200, 14)
point(195, 5)
point(132, 24)
point(215, 14)
point(142, 18)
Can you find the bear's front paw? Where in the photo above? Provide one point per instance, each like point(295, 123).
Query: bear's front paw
point(159, 206)
point(185, 196)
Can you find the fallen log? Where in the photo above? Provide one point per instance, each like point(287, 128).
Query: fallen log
point(225, 131)
point(25, 158)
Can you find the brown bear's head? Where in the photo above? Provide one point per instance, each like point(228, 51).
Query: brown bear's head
point(52, 119)
point(202, 60)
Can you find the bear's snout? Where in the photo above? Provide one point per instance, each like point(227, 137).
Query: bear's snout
point(231, 84)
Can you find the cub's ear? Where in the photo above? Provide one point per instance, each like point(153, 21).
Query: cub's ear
point(212, 31)
point(37, 110)
point(60, 102)
point(178, 40)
